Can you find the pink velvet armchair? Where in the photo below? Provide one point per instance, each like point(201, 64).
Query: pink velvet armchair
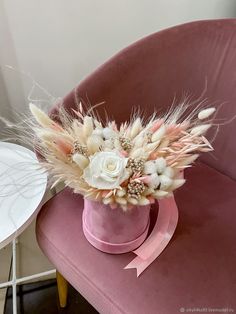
point(197, 269)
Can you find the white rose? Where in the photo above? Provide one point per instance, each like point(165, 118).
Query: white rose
point(106, 170)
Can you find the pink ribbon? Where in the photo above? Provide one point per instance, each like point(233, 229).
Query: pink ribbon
point(162, 232)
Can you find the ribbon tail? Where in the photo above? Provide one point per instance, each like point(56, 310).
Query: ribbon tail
point(137, 263)
point(159, 238)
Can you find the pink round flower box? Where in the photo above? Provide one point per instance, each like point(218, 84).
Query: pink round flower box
point(115, 231)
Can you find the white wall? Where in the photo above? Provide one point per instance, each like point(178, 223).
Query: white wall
point(59, 42)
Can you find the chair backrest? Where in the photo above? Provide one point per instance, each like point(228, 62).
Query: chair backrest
point(154, 70)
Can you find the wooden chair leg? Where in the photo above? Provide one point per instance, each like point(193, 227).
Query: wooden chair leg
point(62, 286)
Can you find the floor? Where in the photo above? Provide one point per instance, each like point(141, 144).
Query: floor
point(42, 297)
point(35, 297)
point(30, 260)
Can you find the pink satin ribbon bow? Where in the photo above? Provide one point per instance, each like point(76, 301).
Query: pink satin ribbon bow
point(162, 232)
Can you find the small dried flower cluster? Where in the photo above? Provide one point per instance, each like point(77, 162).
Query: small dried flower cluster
point(126, 166)
point(136, 164)
point(125, 143)
point(135, 189)
point(78, 148)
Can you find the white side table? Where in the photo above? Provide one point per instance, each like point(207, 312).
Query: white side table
point(22, 187)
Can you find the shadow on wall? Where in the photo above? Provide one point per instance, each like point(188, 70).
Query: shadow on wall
point(233, 9)
point(5, 108)
point(11, 89)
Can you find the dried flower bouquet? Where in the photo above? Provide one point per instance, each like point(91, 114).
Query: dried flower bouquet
point(125, 166)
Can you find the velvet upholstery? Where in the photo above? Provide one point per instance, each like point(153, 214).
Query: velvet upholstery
point(166, 65)
point(197, 269)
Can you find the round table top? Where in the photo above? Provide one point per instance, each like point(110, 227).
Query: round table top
point(22, 186)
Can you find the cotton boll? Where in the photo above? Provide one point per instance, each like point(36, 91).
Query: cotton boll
point(108, 145)
point(169, 172)
point(154, 181)
point(116, 143)
point(206, 113)
point(98, 132)
point(159, 133)
point(160, 164)
point(150, 167)
point(108, 133)
point(94, 143)
point(80, 160)
point(200, 129)
point(165, 181)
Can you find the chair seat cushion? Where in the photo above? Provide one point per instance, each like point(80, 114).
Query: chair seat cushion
point(196, 270)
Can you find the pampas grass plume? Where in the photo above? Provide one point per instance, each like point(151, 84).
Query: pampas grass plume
point(121, 200)
point(143, 201)
point(63, 146)
point(107, 201)
point(188, 160)
point(206, 113)
point(80, 160)
point(121, 192)
point(157, 125)
point(159, 133)
point(160, 194)
point(138, 141)
point(41, 117)
point(138, 152)
point(176, 184)
point(200, 129)
point(94, 143)
point(87, 126)
point(132, 201)
point(136, 128)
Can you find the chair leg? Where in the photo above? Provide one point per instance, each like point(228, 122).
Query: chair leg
point(62, 286)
